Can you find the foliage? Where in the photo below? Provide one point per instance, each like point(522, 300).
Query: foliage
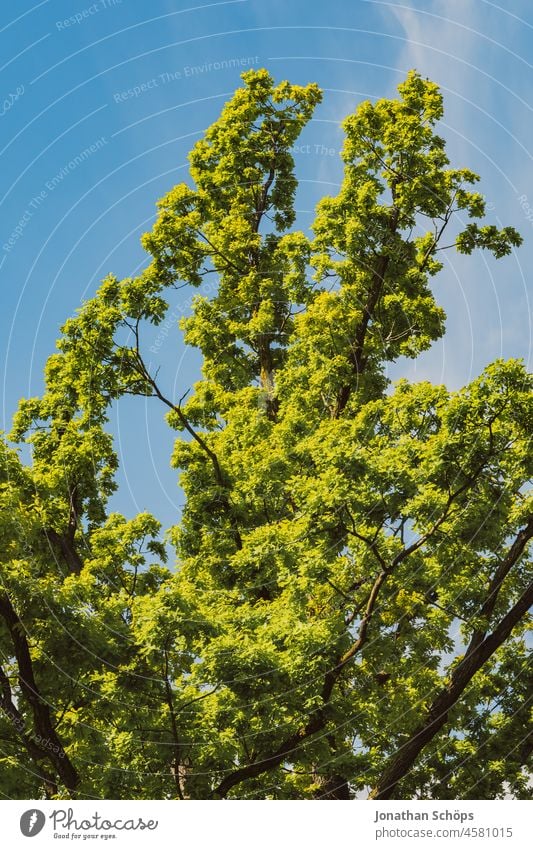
point(347, 612)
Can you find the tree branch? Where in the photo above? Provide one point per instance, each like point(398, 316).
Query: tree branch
point(376, 287)
point(176, 408)
point(318, 721)
point(36, 752)
point(40, 708)
point(476, 655)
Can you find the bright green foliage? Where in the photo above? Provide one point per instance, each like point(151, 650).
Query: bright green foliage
point(348, 605)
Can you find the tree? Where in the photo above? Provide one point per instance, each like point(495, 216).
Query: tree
point(348, 608)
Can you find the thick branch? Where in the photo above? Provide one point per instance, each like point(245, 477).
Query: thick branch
point(41, 712)
point(36, 752)
point(499, 576)
point(437, 715)
point(65, 543)
point(177, 766)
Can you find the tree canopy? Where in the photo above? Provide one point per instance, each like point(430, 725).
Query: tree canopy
point(347, 610)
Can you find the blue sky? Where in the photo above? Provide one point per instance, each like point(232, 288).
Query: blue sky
point(101, 102)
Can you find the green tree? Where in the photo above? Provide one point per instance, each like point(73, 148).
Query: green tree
point(348, 607)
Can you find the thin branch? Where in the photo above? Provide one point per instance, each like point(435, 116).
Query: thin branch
point(218, 252)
